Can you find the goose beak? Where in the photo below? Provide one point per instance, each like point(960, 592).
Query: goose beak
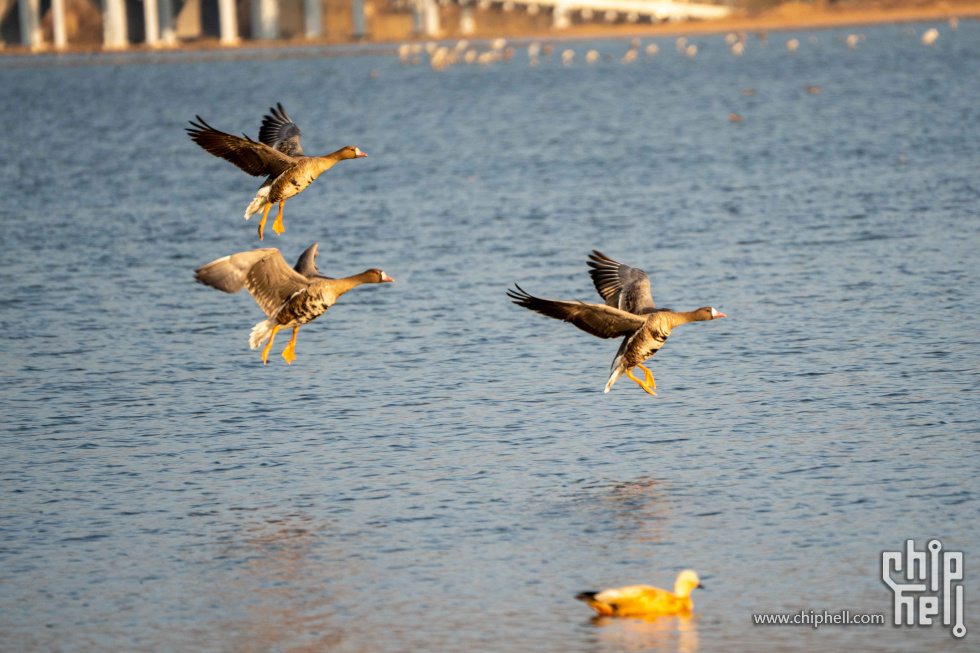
point(358, 154)
point(720, 315)
point(384, 277)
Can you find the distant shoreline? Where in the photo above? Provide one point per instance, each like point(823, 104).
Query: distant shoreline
point(791, 16)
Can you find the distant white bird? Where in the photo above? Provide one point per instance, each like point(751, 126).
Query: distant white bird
point(629, 57)
point(738, 48)
point(462, 45)
point(691, 51)
point(652, 49)
point(404, 51)
point(499, 44)
point(533, 50)
point(730, 38)
point(852, 41)
point(591, 56)
point(681, 43)
point(567, 56)
point(470, 57)
point(792, 45)
point(929, 36)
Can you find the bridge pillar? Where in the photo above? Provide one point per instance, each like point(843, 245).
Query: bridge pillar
point(60, 33)
point(115, 34)
point(431, 17)
point(168, 30)
point(314, 22)
point(417, 17)
point(467, 24)
point(151, 22)
point(30, 23)
point(360, 29)
point(561, 18)
point(228, 19)
point(265, 19)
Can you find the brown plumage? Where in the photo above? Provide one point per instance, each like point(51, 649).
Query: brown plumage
point(277, 155)
point(644, 600)
point(291, 297)
point(629, 313)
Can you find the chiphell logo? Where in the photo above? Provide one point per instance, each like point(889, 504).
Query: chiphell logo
point(935, 571)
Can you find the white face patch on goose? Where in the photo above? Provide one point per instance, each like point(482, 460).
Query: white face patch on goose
point(714, 313)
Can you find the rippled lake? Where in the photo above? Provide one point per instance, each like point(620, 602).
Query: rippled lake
point(440, 470)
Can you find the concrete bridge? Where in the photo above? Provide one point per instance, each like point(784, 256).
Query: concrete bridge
point(159, 24)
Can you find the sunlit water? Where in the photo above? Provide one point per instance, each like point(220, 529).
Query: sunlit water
point(439, 470)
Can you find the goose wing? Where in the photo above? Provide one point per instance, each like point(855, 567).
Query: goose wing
point(599, 320)
point(620, 285)
point(306, 264)
point(257, 159)
point(264, 272)
point(279, 132)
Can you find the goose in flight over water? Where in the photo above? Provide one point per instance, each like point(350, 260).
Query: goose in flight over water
point(629, 313)
point(291, 297)
point(277, 155)
point(644, 600)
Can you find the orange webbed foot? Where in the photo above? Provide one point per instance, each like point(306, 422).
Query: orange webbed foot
point(268, 346)
point(277, 225)
point(640, 383)
point(289, 353)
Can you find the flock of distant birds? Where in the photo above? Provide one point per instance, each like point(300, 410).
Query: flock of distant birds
point(444, 56)
point(292, 296)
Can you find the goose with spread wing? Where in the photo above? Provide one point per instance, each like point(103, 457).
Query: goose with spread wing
point(629, 313)
point(291, 297)
point(277, 155)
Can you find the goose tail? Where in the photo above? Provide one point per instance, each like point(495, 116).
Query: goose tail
point(617, 372)
point(259, 203)
point(261, 332)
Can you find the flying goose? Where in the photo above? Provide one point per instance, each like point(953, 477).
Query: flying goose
point(277, 155)
point(291, 297)
point(644, 600)
point(629, 313)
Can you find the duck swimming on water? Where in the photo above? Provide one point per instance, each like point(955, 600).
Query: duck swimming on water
point(644, 600)
point(629, 313)
point(277, 155)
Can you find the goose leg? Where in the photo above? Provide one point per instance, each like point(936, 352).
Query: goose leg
point(265, 215)
point(268, 346)
point(289, 353)
point(640, 383)
point(277, 225)
point(649, 375)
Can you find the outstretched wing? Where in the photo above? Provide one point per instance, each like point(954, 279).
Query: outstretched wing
point(620, 285)
point(279, 132)
point(264, 272)
point(599, 320)
point(257, 159)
